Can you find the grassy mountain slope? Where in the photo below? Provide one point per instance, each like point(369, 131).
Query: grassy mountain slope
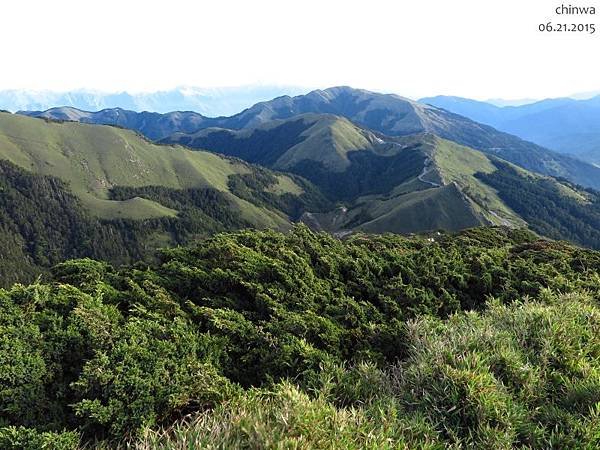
point(344, 160)
point(388, 184)
point(282, 144)
point(461, 165)
point(557, 210)
point(442, 192)
point(43, 223)
point(95, 159)
point(488, 191)
point(402, 184)
point(444, 208)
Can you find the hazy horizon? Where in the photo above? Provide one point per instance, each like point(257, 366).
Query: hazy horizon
point(465, 48)
point(277, 90)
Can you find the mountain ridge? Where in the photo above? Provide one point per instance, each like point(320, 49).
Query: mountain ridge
point(389, 178)
point(393, 115)
point(208, 101)
point(566, 125)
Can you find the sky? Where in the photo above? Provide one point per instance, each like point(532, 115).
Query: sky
point(473, 48)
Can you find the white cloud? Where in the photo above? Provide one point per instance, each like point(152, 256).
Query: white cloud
point(474, 48)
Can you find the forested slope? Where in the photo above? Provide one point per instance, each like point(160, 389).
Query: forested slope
point(42, 222)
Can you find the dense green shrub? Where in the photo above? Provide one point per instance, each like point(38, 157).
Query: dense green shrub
point(151, 372)
point(525, 375)
point(21, 438)
point(365, 340)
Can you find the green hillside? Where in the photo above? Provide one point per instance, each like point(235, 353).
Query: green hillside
point(461, 187)
point(398, 184)
point(93, 159)
point(337, 132)
point(343, 160)
point(73, 190)
point(43, 223)
point(283, 144)
point(441, 190)
point(444, 208)
point(460, 165)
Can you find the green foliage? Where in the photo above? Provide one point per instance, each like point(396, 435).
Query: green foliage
point(151, 372)
point(74, 359)
point(22, 370)
point(42, 348)
point(524, 375)
point(307, 340)
point(21, 438)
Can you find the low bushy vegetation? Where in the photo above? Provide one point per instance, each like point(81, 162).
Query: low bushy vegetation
point(486, 339)
point(523, 375)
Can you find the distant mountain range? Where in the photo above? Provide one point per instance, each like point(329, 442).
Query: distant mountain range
point(566, 125)
point(153, 125)
point(208, 101)
point(409, 183)
point(389, 114)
